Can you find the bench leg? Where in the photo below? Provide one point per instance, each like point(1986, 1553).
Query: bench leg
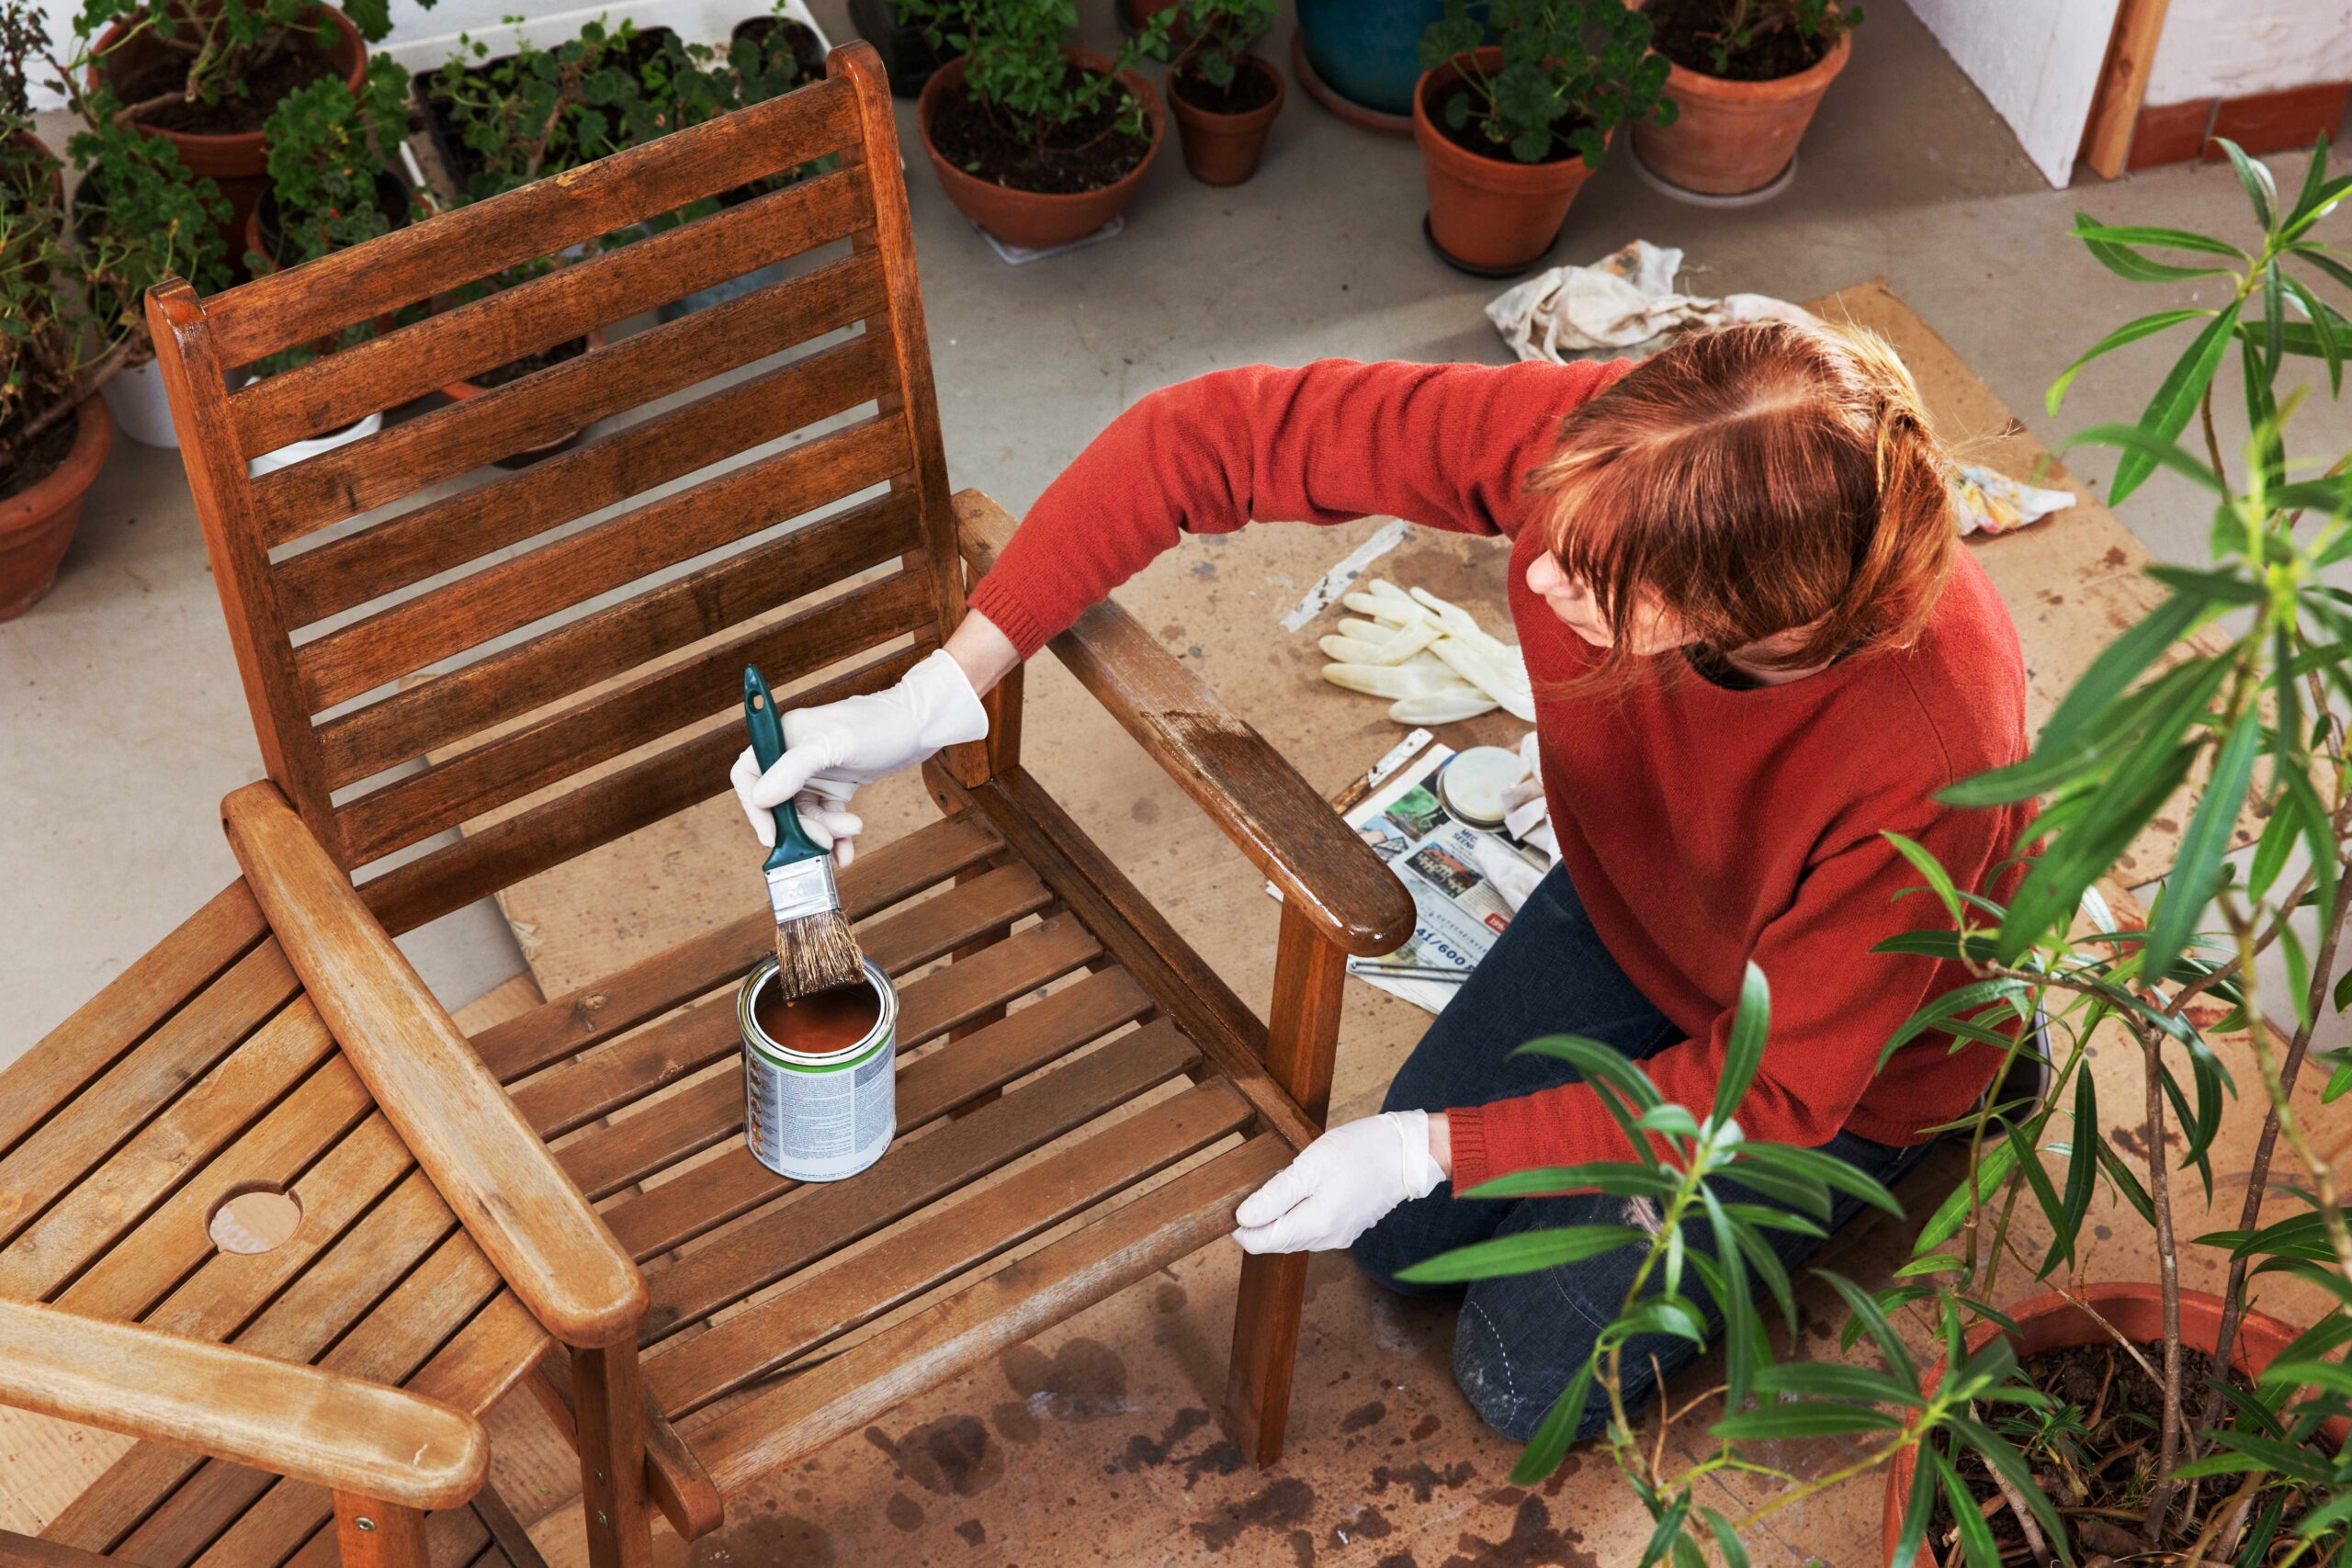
point(371, 1534)
point(608, 1401)
point(1302, 1042)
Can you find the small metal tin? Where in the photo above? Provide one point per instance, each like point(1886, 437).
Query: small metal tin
point(819, 1118)
point(1471, 784)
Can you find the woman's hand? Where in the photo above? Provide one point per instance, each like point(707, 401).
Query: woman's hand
point(1344, 1182)
point(830, 749)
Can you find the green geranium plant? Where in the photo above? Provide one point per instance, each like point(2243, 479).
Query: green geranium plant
point(1570, 73)
point(2242, 678)
point(1015, 67)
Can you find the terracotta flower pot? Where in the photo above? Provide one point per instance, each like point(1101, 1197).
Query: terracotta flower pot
point(1140, 13)
point(1494, 215)
point(2051, 1322)
point(1038, 219)
point(237, 162)
point(1734, 137)
point(1224, 149)
point(460, 391)
point(36, 523)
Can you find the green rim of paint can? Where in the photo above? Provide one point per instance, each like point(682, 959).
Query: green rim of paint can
point(819, 1118)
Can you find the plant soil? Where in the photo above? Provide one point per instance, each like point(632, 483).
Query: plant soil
point(1684, 32)
point(1087, 154)
point(298, 63)
point(515, 369)
point(2103, 1494)
point(38, 461)
point(1251, 89)
point(1470, 139)
point(807, 52)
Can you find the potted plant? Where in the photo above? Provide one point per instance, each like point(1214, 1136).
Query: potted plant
point(1225, 97)
point(205, 75)
point(2096, 1421)
point(1361, 58)
point(1747, 75)
point(1038, 143)
point(138, 216)
point(1509, 130)
point(908, 56)
point(331, 187)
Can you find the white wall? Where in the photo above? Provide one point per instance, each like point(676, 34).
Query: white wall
point(422, 39)
point(2219, 49)
point(2038, 61)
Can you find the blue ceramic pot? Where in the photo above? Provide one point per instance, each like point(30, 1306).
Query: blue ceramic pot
point(1364, 49)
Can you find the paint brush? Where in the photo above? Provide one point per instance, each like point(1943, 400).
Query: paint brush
point(815, 950)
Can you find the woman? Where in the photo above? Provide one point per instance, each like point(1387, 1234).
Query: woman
point(1756, 646)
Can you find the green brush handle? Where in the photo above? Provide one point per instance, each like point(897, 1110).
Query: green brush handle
point(792, 842)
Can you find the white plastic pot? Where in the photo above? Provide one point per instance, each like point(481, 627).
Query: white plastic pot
point(288, 455)
point(135, 397)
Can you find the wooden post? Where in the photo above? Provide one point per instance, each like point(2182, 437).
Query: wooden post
point(608, 1405)
point(376, 1535)
point(2122, 85)
point(1302, 1042)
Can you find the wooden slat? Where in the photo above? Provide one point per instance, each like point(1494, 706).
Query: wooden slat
point(570, 1023)
point(685, 1041)
point(507, 684)
point(302, 303)
point(1035, 826)
point(632, 1147)
point(1015, 1304)
point(337, 1288)
point(486, 1359)
point(173, 1242)
point(572, 740)
point(142, 1085)
point(596, 813)
point(157, 984)
point(694, 1201)
point(511, 594)
point(941, 1244)
point(24, 1552)
point(386, 371)
point(915, 1171)
point(567, 396)
point(91, 1215)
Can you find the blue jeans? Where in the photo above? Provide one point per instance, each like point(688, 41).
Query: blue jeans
point(1520, 1340)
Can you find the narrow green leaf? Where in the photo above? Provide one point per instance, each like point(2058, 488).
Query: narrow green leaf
point(1558, 1433)
point(2028, 1160)
point(2259, 188)
point(1829, 1169)
point(2125, 1181)
point(2197, 868)
point(1925, 863)
point(1529, 1252)
point(1620, 1178)
point(1745, 1050)
point(1832, 1380)
point(1918, 1508)
point(1874, 1323)
point(1727, 1539)
point(1811, 1418)
point(2151, 441)
point(2086, 228)
point(1743, 1334)
point(2129, 333)
point(2118, 666)
point(1975, 1536)
point(2315, 183)
point(2001, 1456)
point(2322, 329)
point(1991, 1169)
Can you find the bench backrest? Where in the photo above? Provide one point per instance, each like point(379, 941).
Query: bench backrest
point(522, 628)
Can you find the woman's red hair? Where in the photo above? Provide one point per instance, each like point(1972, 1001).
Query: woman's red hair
point(1753, 480)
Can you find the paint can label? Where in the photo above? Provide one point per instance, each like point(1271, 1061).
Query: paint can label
point(819, 1118)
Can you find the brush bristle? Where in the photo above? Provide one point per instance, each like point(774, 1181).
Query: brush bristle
point(817, 953)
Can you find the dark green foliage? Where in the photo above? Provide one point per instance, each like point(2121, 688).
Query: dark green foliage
point(1571, 71)
point(1222, 32)
point(1015, 63)
point(227, 42)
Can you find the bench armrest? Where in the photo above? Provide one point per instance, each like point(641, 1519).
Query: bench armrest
point(493, 1169)
point(1248, 789)
point(336, 1431)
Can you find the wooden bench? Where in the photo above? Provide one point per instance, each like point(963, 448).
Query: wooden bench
point(566, 641)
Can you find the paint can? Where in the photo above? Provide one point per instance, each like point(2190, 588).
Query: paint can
point(818, 1117)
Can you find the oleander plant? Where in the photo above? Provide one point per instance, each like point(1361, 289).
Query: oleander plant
point(2236, 688)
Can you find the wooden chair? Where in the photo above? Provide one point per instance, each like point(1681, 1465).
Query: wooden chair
point(594, 678)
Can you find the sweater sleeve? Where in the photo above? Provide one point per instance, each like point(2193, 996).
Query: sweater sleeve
point(1834, 1005)
point(1445, 446)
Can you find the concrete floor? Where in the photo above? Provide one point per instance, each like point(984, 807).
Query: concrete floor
point(122, 723)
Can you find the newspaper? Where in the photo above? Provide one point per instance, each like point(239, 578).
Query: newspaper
point(1459, 914)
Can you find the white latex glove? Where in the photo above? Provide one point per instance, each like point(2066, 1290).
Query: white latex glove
point(1504, 869)
point(830, 749)
point(1340, 1185)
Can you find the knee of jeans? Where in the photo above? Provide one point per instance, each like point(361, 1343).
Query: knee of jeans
point(1513, 1383)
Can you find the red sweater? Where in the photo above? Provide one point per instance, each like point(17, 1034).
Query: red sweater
point(1700, 825)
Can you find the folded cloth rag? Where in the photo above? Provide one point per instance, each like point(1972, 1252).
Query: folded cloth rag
point(1626, 301)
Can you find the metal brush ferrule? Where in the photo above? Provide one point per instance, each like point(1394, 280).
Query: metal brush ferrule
point(803, 888)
